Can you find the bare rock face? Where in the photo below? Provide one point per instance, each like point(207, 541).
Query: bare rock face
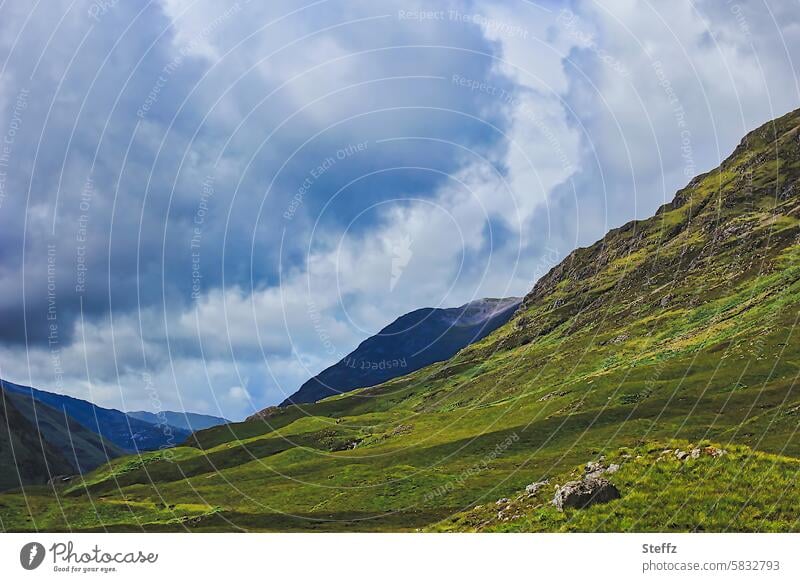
point(586, 492)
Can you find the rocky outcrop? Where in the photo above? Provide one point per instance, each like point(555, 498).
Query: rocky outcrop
point(585, 492)
point(534, 488)
point(694, 453)
point(590, 489)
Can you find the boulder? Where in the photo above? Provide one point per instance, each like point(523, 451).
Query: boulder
point(586, 492)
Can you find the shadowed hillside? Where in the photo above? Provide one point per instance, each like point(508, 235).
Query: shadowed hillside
point(26, 458)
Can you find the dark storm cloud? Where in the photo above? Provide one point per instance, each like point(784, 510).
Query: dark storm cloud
point(124, 127)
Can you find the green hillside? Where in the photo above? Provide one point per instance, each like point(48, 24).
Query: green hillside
point(676, 327)
point(714, 490)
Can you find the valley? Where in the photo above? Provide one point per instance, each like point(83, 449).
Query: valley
point(671, 334)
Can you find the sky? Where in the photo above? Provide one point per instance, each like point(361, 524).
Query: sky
point(203, 203)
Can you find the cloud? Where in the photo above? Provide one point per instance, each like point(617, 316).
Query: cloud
point(665, 93)
point(229, 196)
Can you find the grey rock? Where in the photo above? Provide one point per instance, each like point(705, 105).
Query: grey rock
point(534, 488)
point(594, 467)
point(586, 492)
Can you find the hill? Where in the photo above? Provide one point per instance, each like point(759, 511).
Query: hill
point(190, 421)
point(675, 329)
point(123, 431)
point(409, 343)
point(80, 447)
point(26, 459)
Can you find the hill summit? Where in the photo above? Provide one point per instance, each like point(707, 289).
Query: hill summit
point(411, 342)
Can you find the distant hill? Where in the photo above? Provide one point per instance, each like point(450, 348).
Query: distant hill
point(79, 446)
point(190, 421)
point(26, 459)
point(411, 342)
point(124, 431)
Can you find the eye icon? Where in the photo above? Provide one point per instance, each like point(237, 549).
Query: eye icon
point(31, 555)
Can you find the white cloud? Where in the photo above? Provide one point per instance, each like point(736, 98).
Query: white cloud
point(694, 85)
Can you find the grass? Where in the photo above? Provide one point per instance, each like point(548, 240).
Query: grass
point(742, 490)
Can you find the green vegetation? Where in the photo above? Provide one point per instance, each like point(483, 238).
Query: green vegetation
point(679, 327)
point(741, 490)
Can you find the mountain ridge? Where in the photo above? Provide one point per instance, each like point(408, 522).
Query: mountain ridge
point(191, 421)
point(82, 448)
point(124, 431)
point(412, 341)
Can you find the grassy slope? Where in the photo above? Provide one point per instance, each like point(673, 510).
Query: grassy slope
point(741, 490)
point(676, 327)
